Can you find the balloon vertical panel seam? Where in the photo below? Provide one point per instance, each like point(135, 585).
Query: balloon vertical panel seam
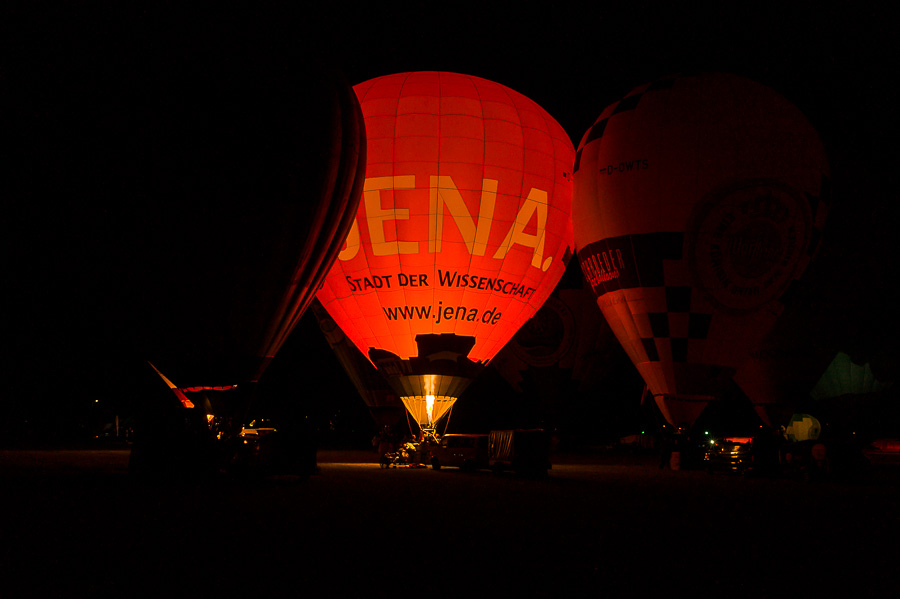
point(520, 192)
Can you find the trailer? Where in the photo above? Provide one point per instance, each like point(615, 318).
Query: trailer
point(524, 451)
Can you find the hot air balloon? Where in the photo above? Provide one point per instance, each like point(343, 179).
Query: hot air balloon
point(463, 230)
point(247, 180)
point(846, 377)
point(699, 201)
point(239, 184)
point(802, 427)
point(566, 364)
point(383, 402)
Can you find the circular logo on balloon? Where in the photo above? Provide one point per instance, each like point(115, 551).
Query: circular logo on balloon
point(746, 242)
point(546, 337)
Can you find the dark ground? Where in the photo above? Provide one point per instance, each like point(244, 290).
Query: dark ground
point(75, 524)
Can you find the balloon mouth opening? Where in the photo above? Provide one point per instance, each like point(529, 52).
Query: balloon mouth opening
point(428, 410)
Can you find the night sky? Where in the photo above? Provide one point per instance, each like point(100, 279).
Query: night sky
point(838, 64)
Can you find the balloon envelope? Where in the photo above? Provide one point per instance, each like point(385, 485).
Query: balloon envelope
point(383, 402)
point(802, 427)
point(565, 365)
point(246, 171)
point(699, 201)
point(845, 377)
point(463, 230)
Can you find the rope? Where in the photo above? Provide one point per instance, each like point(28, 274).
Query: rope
point(447, 423)
point(408, 425)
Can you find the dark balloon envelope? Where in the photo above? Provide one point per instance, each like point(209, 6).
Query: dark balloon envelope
point(561, 348)
point(383, 402)
point(242, 175)
point(698, 203)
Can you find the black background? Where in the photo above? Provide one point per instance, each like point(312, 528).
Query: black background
point(836, 61)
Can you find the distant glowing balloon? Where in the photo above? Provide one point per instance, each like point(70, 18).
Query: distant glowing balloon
point(802, 427)
point(845, 377)
point(699, 201)
point(463, 231)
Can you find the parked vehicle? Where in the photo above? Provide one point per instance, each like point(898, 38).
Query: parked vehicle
point(881, 452)
point(256, 429)
point(525, 451)
point(742, 455)
point(261, 450)
point(466, 452)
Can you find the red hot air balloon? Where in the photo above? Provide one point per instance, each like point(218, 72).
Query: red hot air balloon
point(699, 201)
point(463, 231)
